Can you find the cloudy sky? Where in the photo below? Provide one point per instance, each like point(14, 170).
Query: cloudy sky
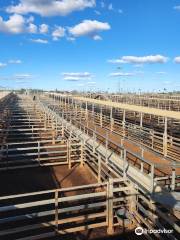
point(90, 44)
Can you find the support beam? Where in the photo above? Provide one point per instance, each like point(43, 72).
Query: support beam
point(124, 164)
point(124, 122)
point(101, 116)
point(99, 168)
point(165, 137)
point(111, 119)
point(69, 153)
point(141, 120)
point(82, 153)
point(110, 229)
point(152, 178)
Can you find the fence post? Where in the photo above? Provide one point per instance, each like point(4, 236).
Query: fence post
point(152, 139)
point(95, 130)
point(86, 112)
point(48, 119)
point(62, 129)
point(142, 152)
point(110, 229)
point(122, 141)
point(165, 138)
point(124, 123)
point(173, 179)
point(70, 136)
point(29, 121)
point(45, 119)
point(101, 120)
point(152, 178)
point(107, 136)
point(171, 141)
point(99, 168)
point(94, 140)
point(133, 201)
point(121, 154)
point(82, 154)
point(124, 164)
point(110, 119)
point(69, 153)
point(141, 120)
point(56, 127)
point(53, 131)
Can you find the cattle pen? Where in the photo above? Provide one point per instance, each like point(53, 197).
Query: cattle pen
point(88, 167)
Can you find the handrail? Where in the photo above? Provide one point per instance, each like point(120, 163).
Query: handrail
point(136, 155)
point(102, 184)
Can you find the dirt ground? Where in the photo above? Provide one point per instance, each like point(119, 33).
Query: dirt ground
point(43, 178)
point(149, 155)
point(100, 234)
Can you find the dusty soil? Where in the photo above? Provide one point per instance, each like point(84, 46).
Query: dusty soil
point(150, 156)
point(43, 178)
point(100, 234)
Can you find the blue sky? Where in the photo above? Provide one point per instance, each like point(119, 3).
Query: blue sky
point(90, 45)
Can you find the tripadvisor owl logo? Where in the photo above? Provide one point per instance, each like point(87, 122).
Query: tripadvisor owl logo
point(139, 231)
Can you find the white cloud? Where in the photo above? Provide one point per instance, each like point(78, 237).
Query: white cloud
point(17, 24)
point(138, 72)
point(12, 61)
point(80, 85)
point(177, 7)
point(50, 7)
point(89, 28)
point(141, 60)
point(71, 39)
point(167, 82)
point(32, 28)
point(110, 7)
point(138, 65)
point(103, 4)
point(22, 76)
point(59, 32)
point(97, 37)
point(91, 82)
point(39, 40)
point(19, 78)
point(97, 12)
point(161, 73)
point(22, 81)
point(76, 76)
point(30, 19)
point(43, 28)
point(120, 11)
point(2, 65)
point(4, 78)
point(121, 74)
point(177, 59)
